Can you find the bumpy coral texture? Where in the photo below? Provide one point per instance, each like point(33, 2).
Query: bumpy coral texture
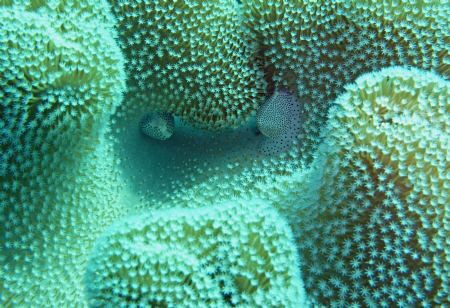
point(239, 253)
point(57, 71)
point(314, 47)
point(87, 9)
point(61, 75)
point(369, 215)
point(310, 48)
point(190, 58)
point(379, 234)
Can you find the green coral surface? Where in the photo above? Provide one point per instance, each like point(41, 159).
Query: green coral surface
point(187, 153)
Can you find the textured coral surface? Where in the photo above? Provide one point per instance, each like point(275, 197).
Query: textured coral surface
point(238, 253)
point(188, 153)
point(61, 75)
point(190, 58)
point(380, 236)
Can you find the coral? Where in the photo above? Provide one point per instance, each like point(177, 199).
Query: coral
point(314, 48)
point(57, 71)
point(374, 231)
point(50, 221)
point(158, 125)
point(236, 253)
point(190, 58)
point(363, 185)
point(61, 76)
point(86, 9)
point(322, 45)
point(161, 171)
point(309, 48)
point(370, 214)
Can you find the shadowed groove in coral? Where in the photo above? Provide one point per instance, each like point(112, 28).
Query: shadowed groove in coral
point(155, 169)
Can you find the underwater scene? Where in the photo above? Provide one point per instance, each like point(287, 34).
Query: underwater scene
point(224, 153)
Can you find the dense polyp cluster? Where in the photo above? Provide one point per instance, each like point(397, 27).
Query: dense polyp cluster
point(314, 48)
point(61, 75)
point(309, 48)
point(190, 58)
point(379, 234)
point(50, 220)
point(239, 253)
point(369, 214)
point(58, 74)
point(317, 47)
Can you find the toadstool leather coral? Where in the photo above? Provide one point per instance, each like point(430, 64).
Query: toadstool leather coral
point(359, 179)
point(379, 234)
point(238, 253)
point(314, 48)
point(370, 214)
point(61, 77)
point(190, 58)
